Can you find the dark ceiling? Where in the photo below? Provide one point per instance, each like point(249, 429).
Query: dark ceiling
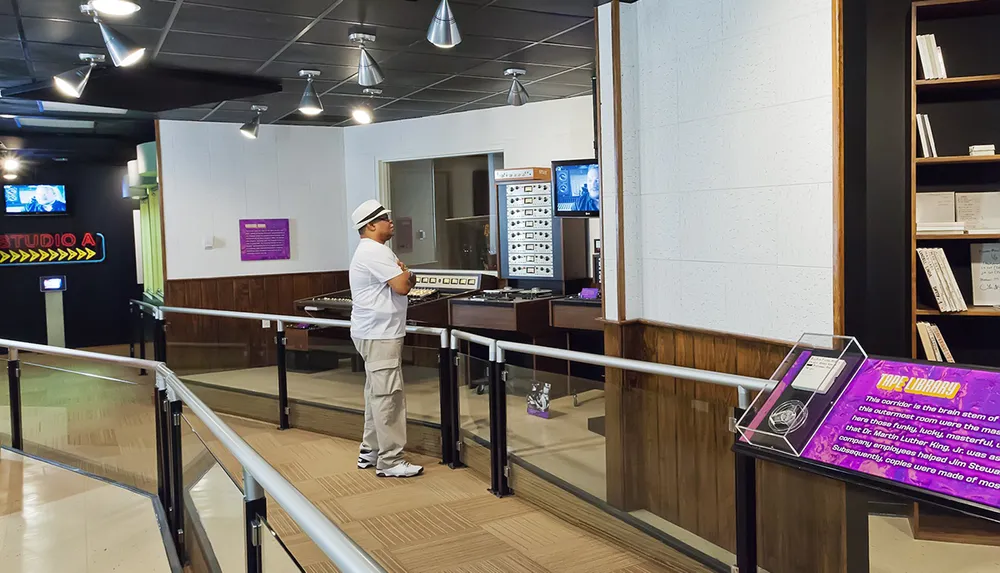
point(552, 39)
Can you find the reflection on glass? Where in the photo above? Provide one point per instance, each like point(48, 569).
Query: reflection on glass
point(4, 404)
point(556, 423)
point(473, 396)
point(274, 555)
point(91, 416)
point(213, 508)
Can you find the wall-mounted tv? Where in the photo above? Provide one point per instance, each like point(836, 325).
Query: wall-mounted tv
point(35, 199)
point(576, 188)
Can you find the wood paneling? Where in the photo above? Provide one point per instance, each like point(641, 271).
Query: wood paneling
point(669, 448)
point(201, 343)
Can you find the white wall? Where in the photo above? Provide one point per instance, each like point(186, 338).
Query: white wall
point(212, 177)
point(734, 132)
point(533, 135)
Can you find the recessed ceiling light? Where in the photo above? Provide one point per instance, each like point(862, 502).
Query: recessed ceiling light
point(115, 7)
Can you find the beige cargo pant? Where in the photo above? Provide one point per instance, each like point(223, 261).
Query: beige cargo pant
point(385, 404)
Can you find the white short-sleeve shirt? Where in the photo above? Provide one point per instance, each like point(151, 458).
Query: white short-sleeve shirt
point(378, 313)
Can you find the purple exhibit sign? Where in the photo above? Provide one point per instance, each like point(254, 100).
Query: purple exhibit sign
point(932, 427)
point(265, 240)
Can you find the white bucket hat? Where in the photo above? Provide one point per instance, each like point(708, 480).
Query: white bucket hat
point(367, 212)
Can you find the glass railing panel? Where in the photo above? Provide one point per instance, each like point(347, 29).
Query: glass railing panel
point(213, 508)
point(324, 367)
point(91, 416)
point(422, 378)
point(274, 555)
point(473, 396)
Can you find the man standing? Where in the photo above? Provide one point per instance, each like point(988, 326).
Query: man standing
point(379, 285)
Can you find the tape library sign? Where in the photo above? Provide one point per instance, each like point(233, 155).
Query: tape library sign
point(51, 248)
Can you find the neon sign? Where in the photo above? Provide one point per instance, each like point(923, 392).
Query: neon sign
point(51, 248)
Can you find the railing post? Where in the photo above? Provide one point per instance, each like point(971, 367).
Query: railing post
point(452, 355)
point(176, 466)
point(131, 336)
point(448, 433)
point(162, 463)
point(254, 511)
point(282, 378)
point(746, 511)
point(142, 339)
point(160, 339)
point(498, 425)
point(14, 386)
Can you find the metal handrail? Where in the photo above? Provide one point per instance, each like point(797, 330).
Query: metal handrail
point(340, 548)
point(151, 308)
point(486, 341)
point(288, 319)
point(732, 380)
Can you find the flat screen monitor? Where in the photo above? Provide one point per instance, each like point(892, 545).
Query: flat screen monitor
point(35, 199)
point(576, 186)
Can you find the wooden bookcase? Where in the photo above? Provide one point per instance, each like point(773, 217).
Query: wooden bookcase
point(955, 104)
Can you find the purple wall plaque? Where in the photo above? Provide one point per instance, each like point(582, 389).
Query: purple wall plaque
point(265, 240)
point(932, 427)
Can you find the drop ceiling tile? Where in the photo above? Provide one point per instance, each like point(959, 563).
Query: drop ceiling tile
point(305, 8)
point(557, 55)
point(329, 55)
point(582, 77)
point(8, 28)
point(188, 61)
point(582, 36)
point(11, 49)
point(476, 84)
point(415, 105)
point(474, 47)
point(6, 7)
point(433, 63)
point(352, 89)
point(82, 33)
point(496, 69)
point(335, 32)
point(448, 96)
point(201, 18)
point(402, 14)
point(501, 99)
point(563, 7)
point(179, 42)
point(66, 55)
point(515, 24)
point(290, 70)
point(153, 14)
point(552, 89)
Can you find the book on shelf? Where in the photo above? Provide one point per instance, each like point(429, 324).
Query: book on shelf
point(979, 150)
point(980, 211)
point(945, 288)
point(927, 145)
point(985, 274)
point(941, 228)
point(931, 57)
point(933, 343)
point(936, 208)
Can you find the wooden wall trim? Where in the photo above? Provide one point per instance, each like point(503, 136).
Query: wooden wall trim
point(839, 296)
point(708, 331)
point(616, 59)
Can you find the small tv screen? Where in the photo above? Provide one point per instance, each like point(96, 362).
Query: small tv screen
point(577, 188)
point(35, 199)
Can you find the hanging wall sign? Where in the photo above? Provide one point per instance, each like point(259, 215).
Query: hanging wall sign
point(51, 248)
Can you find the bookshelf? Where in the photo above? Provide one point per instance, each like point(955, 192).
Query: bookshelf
point(963, 29)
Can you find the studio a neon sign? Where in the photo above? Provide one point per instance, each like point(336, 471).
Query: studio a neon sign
point(51, 248)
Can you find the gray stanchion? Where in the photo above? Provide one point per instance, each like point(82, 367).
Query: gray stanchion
point(254, 512)
point(14, 386)
point(280, 341)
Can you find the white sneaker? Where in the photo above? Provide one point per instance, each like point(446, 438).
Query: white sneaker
point(400, 470)
point(367, 459)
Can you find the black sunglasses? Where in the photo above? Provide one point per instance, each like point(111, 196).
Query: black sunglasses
point(379, 218)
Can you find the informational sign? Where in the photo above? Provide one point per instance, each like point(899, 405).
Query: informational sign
point(51, 248)
point(932, 427)
point(265, 240)
point(985, 274)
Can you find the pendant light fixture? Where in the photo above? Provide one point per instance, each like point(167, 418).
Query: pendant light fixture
point(115, 7)
point(9, 176)
point(443, 31)
point(310, 103)
point(11, 164)
point(73, 82)
point(369, 72)
point(517, 96)
point(124, 52)
point(251, 128)
point(364, 113)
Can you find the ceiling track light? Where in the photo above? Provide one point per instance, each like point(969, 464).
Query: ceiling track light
point(251, 128)
point(73, 82)
point(517, 96)
point(310, 103)
point(369, 72)
point(124, 52)
point(364, 113)
point(115, 7)
point(443, 31)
